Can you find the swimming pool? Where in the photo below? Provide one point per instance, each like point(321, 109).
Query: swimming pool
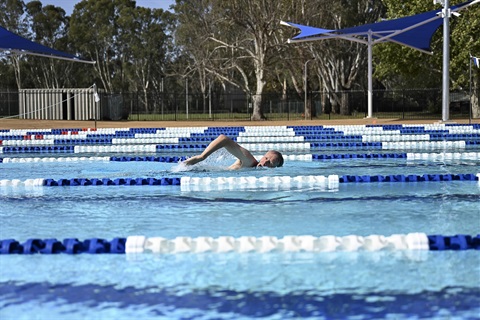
point(221, 240)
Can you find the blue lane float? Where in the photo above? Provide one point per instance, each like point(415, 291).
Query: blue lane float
point(320, 157)
point(349, 145)
point(112, 182)
point(39, 149)
point(68, 246)
point(141, 244)
point(408, 178)
point(148, 159)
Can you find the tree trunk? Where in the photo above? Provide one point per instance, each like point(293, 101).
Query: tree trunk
point(16, 68)
point(257, 98)
point(474, 101)
point(344, 105)
point(308, 110)
point(257, 113)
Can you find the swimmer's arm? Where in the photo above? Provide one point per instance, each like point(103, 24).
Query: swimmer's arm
point(245, 158)
point(236, 165)
point(216, 144)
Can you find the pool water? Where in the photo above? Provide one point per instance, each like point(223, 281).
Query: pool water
point(408, 284)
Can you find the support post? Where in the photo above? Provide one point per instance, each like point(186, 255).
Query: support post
point(95, 105)
point(370, 76)
point(470, 91)
point(446, 62)
point(209, 99)
point(186, 96)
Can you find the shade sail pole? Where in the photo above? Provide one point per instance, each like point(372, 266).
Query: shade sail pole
point(446, 62)
point(470, 90)
point(370, 76)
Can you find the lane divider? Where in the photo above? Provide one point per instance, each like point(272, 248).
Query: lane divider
point(257, 138)
point(426, 145)
point(234, 183)
point(245, 244)
point(443, 156)
point(439, 129)
point(282, 147)
point(238, 183)
point(52, 159)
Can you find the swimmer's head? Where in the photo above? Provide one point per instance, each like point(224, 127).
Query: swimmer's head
point(271, 159)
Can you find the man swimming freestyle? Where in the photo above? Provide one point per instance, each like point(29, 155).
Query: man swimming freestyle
point(245, 159)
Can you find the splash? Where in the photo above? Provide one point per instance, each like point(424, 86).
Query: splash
point(218, 161)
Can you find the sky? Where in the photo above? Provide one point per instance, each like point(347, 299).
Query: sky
point(68, 5)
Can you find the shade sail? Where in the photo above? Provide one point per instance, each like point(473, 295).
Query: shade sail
point(413, 31)
point(14, 43)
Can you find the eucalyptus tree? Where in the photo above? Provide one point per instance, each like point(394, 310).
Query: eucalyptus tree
point(146, 45)
point(292, 59)
point(195, 25)
point(339, 65)
point(95, 33)
point(248, 31)
point(13, 18)
point(49, 25)
point(465, 42)
point(237, 38)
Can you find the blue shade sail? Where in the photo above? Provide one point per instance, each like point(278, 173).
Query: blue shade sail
point(12, 42)
point(413, 31)
point(306, 31)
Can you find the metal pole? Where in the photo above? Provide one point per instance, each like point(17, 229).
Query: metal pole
point(446, 62)
point(95, 97)
point(305, 85)
point(470, 92)
point(186, 96)
point(210, 98)
point(370, 80)
point(163, 95)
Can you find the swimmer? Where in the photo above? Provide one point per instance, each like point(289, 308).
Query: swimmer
point(245, 159)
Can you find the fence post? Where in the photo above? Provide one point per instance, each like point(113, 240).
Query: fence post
point(288, 109)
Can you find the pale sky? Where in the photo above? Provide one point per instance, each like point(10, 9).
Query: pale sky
point(68, 5)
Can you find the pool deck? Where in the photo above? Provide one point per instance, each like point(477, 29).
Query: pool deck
point(59, 124)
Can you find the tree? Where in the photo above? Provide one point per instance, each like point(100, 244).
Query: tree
point(13, 19)
point(94, 31)
point(240, 46)
point(404, 67)
point(143, 32)
point(255, 22)
point(340, 65)
point(49, 25)
point(464, 42)
point(196, 52)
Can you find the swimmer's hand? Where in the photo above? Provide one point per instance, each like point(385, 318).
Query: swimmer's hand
point(193, 160)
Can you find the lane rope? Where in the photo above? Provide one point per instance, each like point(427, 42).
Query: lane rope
point(441, 156)
point(237, 183)
point(244, 244)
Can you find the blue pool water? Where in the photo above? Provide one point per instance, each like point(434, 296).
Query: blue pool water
point(406, 284)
